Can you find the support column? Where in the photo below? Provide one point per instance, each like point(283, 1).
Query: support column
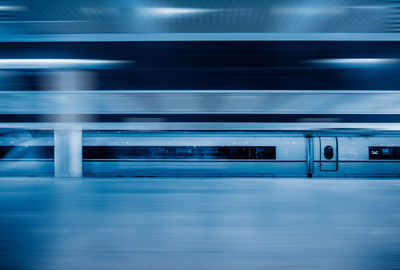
point(68, 152)
point(68, 131)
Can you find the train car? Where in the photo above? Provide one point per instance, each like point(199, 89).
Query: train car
point(356, 156)
point(209, 154)
point(26, 153)
point(194, 154)
point(242, 154)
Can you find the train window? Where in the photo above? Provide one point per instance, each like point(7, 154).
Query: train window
point(328, 152)
point(388, 153)
point(26, 152)
point(179, 152)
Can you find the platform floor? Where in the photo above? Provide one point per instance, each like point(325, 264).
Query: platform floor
point(199, 224)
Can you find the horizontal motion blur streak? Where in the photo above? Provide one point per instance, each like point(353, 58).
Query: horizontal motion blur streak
point(55, 63)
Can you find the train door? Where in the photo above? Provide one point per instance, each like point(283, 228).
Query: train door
point(328, 153)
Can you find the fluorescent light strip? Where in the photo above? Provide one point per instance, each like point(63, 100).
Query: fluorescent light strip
point(57, 63)
point(174, 11)
point(356, 62)
point(12, 8)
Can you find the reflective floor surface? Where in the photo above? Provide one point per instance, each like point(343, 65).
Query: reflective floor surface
point(199, 224)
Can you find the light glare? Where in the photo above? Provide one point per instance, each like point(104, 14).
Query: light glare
point(55, 63)
point(172, 11)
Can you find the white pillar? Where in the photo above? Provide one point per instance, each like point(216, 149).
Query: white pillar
point(68, 133)
point(68, 152)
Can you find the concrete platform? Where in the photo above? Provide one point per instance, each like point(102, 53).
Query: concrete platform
point(199, 224)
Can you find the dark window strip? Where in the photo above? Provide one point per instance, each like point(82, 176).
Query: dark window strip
point(179, 152)
point(26, 152)
point(384, 153)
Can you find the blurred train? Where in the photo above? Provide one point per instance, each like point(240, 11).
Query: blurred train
point(204, 154)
